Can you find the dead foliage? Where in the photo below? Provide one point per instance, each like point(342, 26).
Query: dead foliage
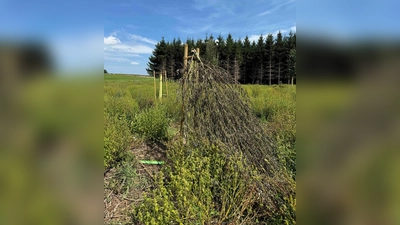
point(215, 108)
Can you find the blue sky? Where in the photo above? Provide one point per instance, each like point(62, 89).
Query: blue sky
point(133, 27)
point(75, 29)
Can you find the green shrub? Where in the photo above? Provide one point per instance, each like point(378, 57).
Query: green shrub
point(200, 186)
point(172, 108)
point(151, 124)
point(121, 105)
point(143, 94)
point(117, 138)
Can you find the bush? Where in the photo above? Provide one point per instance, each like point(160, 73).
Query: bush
point(117, 138)
point(143, 95)
point(151, 124)
point(172, 108)
point(121, 104)
point(202, 186)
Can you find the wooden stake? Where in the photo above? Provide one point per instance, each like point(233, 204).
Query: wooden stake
point(185, 57)
point(155, 86)
point(166, 82)
point(160, 93)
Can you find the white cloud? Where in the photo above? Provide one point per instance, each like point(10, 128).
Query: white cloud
point(285, 31)
point(225, 7)
point(254, 37)
point(277, 31)
point(142, 39)
point(265, 13)
point(123, 48)
point(275, 8)
point(111, 40)
point(120, 54)
point(122, 51)
point(116, 59)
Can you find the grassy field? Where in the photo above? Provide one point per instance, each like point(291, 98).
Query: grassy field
point(139, 126)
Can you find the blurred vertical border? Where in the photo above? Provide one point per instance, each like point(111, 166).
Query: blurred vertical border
point(51, 112)
point(348, 112)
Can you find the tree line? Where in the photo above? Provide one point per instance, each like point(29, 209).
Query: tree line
point(268, 60)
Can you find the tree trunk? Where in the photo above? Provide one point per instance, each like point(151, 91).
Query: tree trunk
point(279, 73)
point(270, 75)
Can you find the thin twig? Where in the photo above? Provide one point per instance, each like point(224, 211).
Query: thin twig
point(147, 171)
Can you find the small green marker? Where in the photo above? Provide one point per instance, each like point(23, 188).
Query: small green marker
point(152, 162)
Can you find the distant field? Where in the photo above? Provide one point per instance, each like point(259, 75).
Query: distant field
point(125, 77)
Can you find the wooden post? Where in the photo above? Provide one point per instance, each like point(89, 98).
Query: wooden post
point(198, 52)
point(160, 93)
point(155, 86)
point(185, 57)
point(166, 82)
point(185, 60)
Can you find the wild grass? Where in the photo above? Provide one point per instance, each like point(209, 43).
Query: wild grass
point(197, 185)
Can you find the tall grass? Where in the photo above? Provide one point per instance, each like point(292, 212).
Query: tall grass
point(199, 185)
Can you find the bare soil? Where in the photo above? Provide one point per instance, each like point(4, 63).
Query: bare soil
point(118, 206)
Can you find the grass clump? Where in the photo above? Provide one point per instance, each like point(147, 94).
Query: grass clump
point(121, 104)
point(151, 124)
point(117, 138)
point(125, 176)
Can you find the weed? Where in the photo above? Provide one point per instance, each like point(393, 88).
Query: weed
point(151, 124)
point(117, 138)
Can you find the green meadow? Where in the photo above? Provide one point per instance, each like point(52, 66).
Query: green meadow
point(137, 125)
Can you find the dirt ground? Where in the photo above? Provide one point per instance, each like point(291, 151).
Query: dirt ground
point(118, 205)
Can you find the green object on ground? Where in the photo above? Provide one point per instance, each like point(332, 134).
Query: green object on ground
point(152, 162)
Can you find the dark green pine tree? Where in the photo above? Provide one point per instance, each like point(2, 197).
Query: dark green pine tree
point(247, 62)
point(292, 57)
point(170, 59)
point(202, 47)
point(238, 59)
point(260, 55)
point(269, 56)
point(178, 56)
point(247, 59)
point(221, 51)
point(254, 62)
point(292, 65)
point(157, 61)
point(292, 40)
point(191, 44)
point(278, 56)
point(211, 50)
point(229, 54)
point(285, 59)
point(152, 64)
